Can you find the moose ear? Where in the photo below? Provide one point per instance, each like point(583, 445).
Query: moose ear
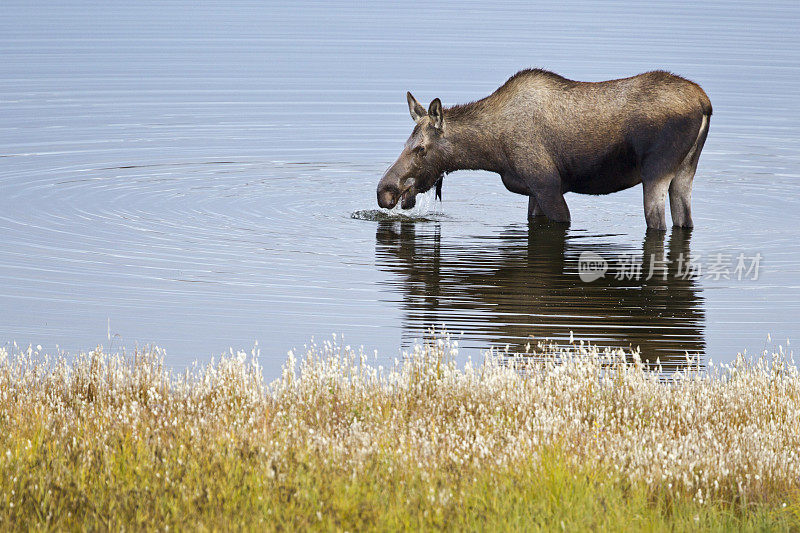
point(435, 112)
point(414, 107)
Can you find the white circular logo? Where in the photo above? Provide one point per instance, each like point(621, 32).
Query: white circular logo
point(591, 266)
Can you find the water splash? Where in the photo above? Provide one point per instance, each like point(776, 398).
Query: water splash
point(423, 211)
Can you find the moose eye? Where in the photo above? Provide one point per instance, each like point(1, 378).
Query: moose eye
point(419, 150)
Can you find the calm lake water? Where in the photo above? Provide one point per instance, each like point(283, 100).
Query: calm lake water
point(187, 174)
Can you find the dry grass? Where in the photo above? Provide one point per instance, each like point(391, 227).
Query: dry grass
point(589, 440)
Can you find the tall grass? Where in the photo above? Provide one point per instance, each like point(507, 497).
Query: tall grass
point(585, 439)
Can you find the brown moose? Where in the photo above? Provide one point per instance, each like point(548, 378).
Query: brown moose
point(547, 135)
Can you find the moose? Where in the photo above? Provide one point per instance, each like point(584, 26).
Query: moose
point(547, 135)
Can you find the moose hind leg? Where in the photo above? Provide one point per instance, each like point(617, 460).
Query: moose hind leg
point(680, 196)
point(655, 197)
point(680, 190)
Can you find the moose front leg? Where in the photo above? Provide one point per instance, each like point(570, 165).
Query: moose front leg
point(550, 200)
point(533, 208)
point(554, 206)
point(544, 195)
point(542, 183)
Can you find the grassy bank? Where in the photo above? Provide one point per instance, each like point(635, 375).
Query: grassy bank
point(336, 443)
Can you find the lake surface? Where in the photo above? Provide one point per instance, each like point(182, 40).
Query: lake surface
point(187, 174)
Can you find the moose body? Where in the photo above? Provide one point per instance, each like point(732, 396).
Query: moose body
point(547, 135)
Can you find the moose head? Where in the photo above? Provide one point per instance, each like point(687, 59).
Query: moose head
point(421, 164)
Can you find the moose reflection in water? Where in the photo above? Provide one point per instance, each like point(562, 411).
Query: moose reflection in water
point(522, 286)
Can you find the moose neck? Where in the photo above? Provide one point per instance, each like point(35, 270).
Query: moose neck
point(472, 141)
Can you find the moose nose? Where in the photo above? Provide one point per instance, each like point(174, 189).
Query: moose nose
point(388, 196)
